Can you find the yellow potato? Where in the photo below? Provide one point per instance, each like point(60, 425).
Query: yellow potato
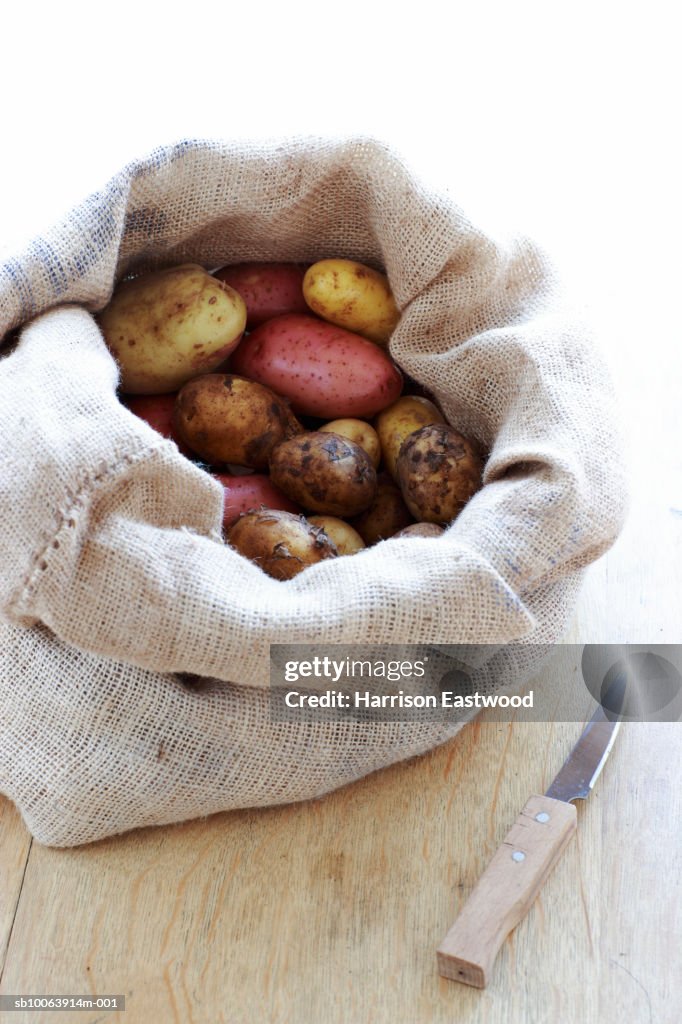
point(360, 432)
point(398, 421)
point(352, 296)
point(169, 326)
point(346, 540)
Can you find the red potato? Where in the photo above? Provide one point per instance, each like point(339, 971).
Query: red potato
point(157, 411)
point(323, 370)
point(268, 289)
point(244, 493)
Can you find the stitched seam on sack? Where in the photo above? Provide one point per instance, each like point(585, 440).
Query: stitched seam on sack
point(90, 483)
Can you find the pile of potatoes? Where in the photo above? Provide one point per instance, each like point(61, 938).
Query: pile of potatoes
point(276, 377)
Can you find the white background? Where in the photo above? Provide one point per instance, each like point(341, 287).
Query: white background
point(560, 120)
point(565, 118)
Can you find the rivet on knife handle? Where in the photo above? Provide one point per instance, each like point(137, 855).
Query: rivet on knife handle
point(506, 889)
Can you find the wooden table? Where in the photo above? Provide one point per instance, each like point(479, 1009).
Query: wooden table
point(331, 911)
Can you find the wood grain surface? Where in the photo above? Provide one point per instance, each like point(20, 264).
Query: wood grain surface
point(332, 910)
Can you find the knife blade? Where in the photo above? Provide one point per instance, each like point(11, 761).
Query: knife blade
point(511, 882)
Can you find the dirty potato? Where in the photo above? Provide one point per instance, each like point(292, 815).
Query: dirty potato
point(281, 543)
point(387, 514)
point(360, 432)
point(169, 326)
point(400, 420)
point(324, 473)
point(228, 419)
point(438, 470)
point(346, 540)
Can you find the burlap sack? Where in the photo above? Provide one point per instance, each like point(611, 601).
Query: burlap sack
point(114, 577)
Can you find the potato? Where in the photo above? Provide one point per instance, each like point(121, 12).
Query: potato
point(345, 539)
point(268, 289)
point(157, 411)
point(324, 473)
point(400, 420)
point(353, 296)
point(167, 327)
point(439, 470)
point(387, 514)
point(420, 530)
point(249, 494)
point(360, 432)
point(324, 370)
point(224, 418)
point(281, 543)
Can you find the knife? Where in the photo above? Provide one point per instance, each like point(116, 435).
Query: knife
point(529, 851)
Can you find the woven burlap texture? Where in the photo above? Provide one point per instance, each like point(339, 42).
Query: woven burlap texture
point(114, 575)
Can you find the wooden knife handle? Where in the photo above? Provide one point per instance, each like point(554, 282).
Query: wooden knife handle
point(506, 890)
